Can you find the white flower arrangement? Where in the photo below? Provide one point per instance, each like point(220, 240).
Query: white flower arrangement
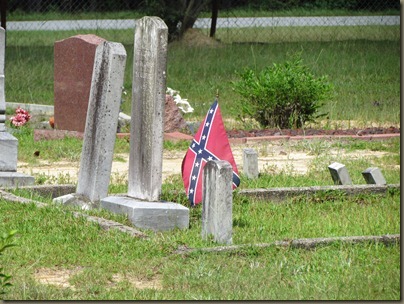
point(182, 104)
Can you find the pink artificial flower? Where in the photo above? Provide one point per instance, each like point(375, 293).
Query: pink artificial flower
point(21, 118)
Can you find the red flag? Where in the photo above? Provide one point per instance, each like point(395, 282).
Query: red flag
point(209, 143)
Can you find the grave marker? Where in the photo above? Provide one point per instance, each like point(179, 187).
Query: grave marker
point(373, 175)
point(148, 99)
point(73, 70)
point(217, 201)
point(101, 124)
point(142, 205)
point(339, 174)
point(8, 143)
point(250, 163)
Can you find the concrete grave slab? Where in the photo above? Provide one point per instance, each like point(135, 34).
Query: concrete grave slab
point(157, 216)
point(15, 179)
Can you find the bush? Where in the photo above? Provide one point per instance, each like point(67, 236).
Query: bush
point(6, 240)
point(284, 96)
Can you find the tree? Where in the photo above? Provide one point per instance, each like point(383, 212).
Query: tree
point(179, 15)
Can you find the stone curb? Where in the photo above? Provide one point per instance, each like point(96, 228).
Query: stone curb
point(308, 243)
point(281, 194)
point(309, 137)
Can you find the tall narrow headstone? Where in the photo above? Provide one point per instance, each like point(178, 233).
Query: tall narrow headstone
point(148, 99)
point(339, 174)
point(8, 143)
point(373, 175)
point(101, 123)
point(250, 163)
point(217, 201)
point(73, 70)
point(142, 205)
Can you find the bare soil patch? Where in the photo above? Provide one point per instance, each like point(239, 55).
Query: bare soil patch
point(56, 277)
point(60, 278)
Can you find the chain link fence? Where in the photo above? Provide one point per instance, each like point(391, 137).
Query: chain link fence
point(238, 21)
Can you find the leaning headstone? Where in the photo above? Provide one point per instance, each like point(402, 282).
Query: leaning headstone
point(250, 163)
point(217, 201)
point(373, 175)
point(142, 204)
point(339, 174)
point(9, 177)
point(73, 70)
point(101, 124)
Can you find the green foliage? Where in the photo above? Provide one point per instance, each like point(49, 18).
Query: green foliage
point(285, 95)
point(178, 15)
point(6, 241)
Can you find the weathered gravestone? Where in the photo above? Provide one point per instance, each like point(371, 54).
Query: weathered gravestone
point(8, 143)
point(373, 175)
point(101, 124)
point(339, 174)
point(73, 70)
point(217, 201)
point(142, 204)
point(250, 163)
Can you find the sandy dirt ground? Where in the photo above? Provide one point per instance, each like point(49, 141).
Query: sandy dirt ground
point(273, 156)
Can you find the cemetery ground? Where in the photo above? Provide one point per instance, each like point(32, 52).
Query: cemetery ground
point(61, 254)
point(63, 257)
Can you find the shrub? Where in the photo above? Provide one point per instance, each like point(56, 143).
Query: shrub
point(284, 96)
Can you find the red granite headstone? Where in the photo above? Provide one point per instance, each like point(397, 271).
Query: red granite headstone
point(73, 69)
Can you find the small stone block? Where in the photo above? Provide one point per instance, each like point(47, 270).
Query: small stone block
point(339, 174)
point(157, 216)
point(15, 179)
point(8, 152)
point(63, 199)
point(74, 199)
point(373, 175)
point(250, 163)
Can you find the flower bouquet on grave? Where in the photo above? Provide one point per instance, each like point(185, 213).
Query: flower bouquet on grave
point(20, 118)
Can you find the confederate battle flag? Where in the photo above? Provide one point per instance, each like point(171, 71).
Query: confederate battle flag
point(209, 143)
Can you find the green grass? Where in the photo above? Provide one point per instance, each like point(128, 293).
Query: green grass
point(362, 71)
point(50, 239)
